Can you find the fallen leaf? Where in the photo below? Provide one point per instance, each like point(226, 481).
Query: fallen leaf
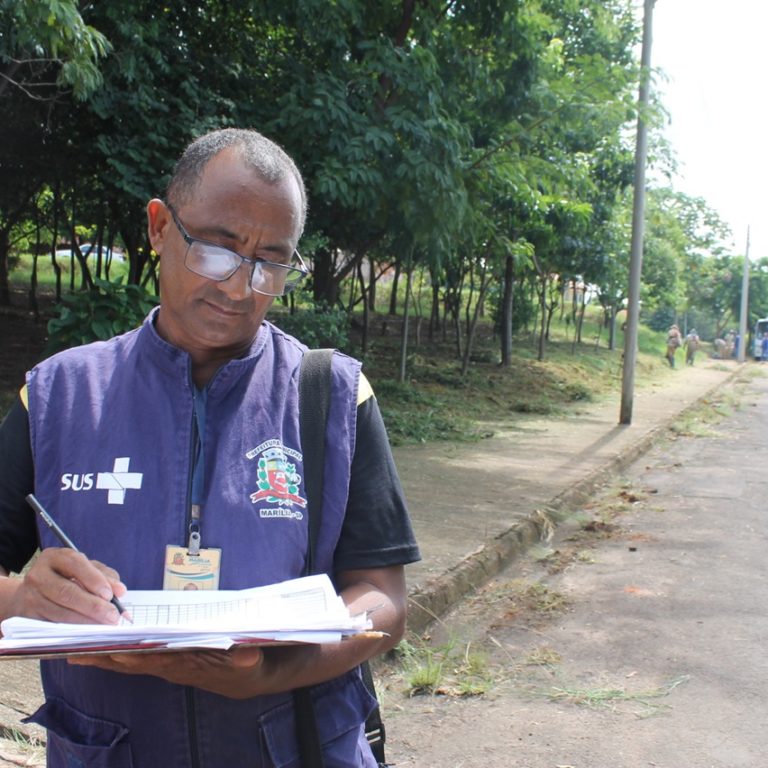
point(639, 591)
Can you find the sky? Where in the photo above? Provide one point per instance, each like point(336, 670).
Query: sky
point(713, 56)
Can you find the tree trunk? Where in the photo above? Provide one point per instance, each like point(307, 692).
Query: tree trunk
point(5, 291)
point(32, 295)
point(372, 282)
point(506, 312)
point(550, 311)
point(434, 314)
point(482, 290)
point(468, 305)
point(366, 312)
point(456, 312)
point(393, 293)
point(55, 236)
point(543, 315)
point(404, 333)
point(580, 323)
point(325, 289)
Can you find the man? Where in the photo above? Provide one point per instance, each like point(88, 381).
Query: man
point(674, 340)
point(147, 449)
point(691, 345)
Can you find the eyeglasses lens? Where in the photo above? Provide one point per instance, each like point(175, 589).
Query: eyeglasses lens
point(220, 264)
point(209, 261)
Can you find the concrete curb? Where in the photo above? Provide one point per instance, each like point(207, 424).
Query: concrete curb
point(428, 602)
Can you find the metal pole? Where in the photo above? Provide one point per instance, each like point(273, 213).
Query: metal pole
point(744, 301)
point(638, 214)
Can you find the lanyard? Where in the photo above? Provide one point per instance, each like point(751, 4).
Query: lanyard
point(198, 473)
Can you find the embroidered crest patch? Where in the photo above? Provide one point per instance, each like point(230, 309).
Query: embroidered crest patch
point(276, 476)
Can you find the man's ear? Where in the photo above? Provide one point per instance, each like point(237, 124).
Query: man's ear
point(158, 221)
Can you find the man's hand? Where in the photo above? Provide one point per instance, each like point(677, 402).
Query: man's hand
point(236, 673)
point(63, 586)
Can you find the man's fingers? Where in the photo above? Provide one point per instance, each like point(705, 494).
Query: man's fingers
point(246, 656)
point(65, 586)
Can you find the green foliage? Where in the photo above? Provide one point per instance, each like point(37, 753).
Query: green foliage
point(487, 143)
point(36, 35)
point(108, 309)
point(320, 326)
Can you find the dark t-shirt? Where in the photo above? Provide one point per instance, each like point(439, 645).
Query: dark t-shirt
point(376, 533)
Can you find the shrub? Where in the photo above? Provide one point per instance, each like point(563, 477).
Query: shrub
point(317, 327)
point(106, 310)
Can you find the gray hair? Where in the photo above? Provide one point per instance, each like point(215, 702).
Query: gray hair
point(262, 155)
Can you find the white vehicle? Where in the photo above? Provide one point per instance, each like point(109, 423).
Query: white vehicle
point(761, 327)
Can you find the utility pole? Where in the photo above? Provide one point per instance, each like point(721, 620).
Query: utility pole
point(742, 356)
point(638, 216)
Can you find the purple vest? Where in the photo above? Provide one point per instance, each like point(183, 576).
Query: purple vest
point(113, 438)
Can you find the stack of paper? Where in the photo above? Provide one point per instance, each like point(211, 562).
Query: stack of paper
point(305, 610)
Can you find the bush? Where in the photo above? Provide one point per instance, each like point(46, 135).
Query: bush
point(317, 327)
point(106, 310)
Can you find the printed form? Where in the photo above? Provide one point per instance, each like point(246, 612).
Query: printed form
point(305, 610)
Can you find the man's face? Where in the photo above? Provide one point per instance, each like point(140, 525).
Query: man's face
point(234, 208)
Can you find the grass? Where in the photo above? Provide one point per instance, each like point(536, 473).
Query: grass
point(46, 276)
point(16, 748)
point(449, 669)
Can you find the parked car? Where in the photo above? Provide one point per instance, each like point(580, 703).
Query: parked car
point(91, 249)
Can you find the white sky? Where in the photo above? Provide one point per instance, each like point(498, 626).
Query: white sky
point(714, 56)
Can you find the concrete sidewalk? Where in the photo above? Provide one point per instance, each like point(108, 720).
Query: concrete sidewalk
point(476, 506)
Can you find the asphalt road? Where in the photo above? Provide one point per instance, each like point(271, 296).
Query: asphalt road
point(659, 657)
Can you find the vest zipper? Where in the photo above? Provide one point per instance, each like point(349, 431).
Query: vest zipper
point(194, 751)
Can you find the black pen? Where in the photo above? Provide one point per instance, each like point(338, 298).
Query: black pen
point(68, 543)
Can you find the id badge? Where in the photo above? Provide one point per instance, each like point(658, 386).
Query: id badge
point(191, 572)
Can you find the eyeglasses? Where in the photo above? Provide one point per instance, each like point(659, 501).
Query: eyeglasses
point(218, 263)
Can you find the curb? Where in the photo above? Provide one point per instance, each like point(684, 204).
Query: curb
point(430, 601)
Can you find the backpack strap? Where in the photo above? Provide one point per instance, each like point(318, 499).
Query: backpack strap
point(314, 405)
point(314, 388)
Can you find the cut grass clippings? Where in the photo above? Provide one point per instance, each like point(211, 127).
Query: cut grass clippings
point(437, 403)
point(701, 420)
point(611, 698)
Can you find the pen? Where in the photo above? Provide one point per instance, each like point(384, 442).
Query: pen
point(68, 543)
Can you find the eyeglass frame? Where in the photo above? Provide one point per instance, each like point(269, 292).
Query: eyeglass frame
point(252, 263)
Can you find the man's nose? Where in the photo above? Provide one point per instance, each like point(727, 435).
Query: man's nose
point(238, 285)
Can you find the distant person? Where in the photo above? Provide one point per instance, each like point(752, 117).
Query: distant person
point(736, 341)
point(692, 342)
point(674, 340)
point(730, 340)
point(720, 349)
